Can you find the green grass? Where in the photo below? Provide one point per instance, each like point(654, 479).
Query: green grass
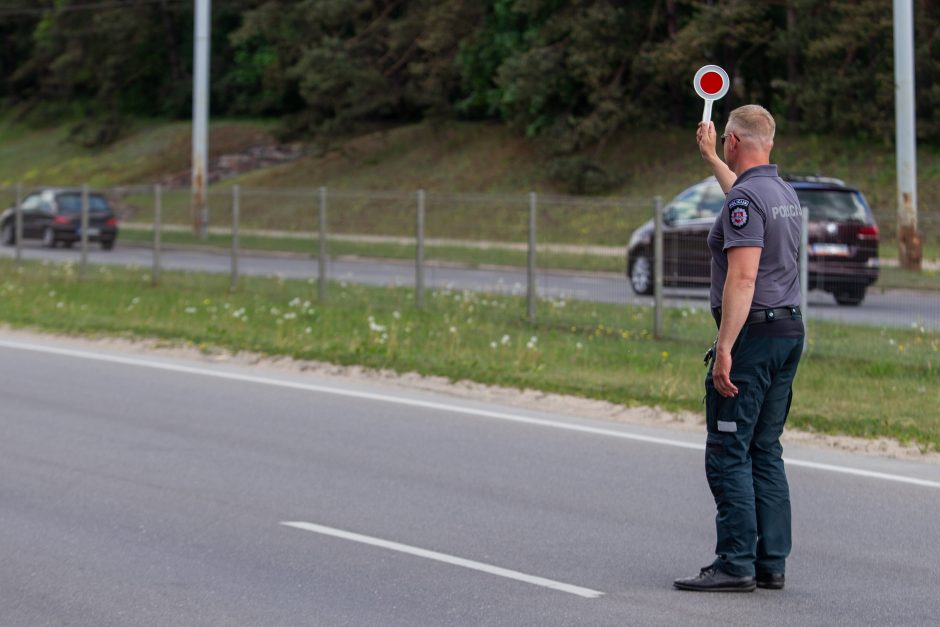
point(149, 151)
point(855, 380)
point(898, 278)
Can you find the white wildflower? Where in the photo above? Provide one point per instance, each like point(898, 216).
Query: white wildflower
point(374, 327)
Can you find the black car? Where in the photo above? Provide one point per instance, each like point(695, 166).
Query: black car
point(843, 239)
point(54, 215)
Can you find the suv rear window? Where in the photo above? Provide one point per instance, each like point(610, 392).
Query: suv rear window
point(830, 205)
point(72, 203)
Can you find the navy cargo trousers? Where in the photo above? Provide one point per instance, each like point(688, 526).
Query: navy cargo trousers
point(743, 460)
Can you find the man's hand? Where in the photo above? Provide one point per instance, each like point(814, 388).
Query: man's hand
point(706, 138)
point(721, 374)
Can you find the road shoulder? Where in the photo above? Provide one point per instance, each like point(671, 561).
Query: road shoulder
point(530, 400)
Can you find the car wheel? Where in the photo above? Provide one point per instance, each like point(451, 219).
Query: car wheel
point(641, 275)
point(48, 237)
point(7, 236)
point(107, 244)
point(850, 296)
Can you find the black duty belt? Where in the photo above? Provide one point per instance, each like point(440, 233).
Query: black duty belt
point(755, 317)
point(759, 316)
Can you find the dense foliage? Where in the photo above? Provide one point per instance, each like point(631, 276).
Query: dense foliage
point(569, 71)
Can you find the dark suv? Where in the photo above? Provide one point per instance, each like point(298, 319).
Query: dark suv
point(843, 239)
point(54, 215)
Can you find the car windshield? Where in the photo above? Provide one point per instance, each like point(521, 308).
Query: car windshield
point(697, 202)
point(712, 202)
point(72, 203)
point(685, 205)
point(829, 205)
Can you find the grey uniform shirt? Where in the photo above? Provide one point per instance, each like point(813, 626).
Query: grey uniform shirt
point(762, 210)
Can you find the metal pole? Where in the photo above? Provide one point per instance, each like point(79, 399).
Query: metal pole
point(658, 268)
point(18, 224)
point(804, 273)
point(419, 253)
point(530, 273)
point(84, 264)
point(201, 118)
point(236, 202)
point(321, 262)
point(909, 240)
point(157, 228)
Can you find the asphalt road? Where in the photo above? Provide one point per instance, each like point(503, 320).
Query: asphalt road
point(140, 490)
point(890, 308)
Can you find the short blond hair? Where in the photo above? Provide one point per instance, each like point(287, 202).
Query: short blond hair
point(753, 122)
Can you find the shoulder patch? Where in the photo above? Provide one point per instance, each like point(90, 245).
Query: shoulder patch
point(738, 212)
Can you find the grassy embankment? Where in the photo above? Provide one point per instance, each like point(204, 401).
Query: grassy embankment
point(855, 380)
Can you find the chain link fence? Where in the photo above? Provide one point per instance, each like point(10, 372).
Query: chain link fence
point(560, 257)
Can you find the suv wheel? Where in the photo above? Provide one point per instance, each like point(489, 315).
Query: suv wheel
point(641, 275)
point(851, 296)
point(48, 237)
point(7, 236)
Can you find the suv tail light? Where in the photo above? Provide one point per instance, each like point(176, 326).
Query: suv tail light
point(111, 222)
point(61, 220)
point(868, 232)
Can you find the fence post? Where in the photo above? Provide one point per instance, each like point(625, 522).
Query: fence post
point(157, 228)
point(530, 291)
point(321, 263)
point(236, 202)
point(419, 252)
point(83, 271)
point(804, 273)
point(18, 224)
point(658, 268)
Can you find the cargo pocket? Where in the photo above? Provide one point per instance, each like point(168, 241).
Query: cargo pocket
point(713, 403)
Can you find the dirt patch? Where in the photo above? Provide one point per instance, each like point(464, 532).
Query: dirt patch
point(523, 399)
point(248, 159)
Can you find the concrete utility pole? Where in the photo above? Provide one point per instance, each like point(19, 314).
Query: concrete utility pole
point(909, 242)
point(201, 118)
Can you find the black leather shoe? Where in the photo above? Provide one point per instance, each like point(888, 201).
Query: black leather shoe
point(713, 580)
point(770, 581)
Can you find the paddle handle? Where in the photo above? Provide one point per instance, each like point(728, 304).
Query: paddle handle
point(707, 114)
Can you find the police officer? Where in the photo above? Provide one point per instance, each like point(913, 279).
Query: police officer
point(755, 292)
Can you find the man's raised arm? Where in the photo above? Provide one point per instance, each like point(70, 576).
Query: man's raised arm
point(706, 144)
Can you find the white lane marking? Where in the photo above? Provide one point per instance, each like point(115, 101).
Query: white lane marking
point(846, 470)
point(587, 593)
point(457, 409)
